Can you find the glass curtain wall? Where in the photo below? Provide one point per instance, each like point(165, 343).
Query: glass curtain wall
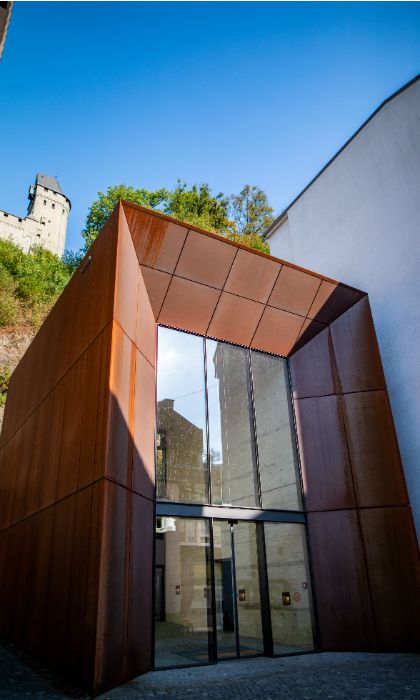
point(227, 588)
point(232, 456)
point(183, 606)
point(289, 587)
point(190, 629)
point(275, 436)
point(225, 426)
point(182, 469)
point(237, 590)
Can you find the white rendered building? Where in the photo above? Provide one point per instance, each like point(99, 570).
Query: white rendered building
point(358, 221)
point(46, 221)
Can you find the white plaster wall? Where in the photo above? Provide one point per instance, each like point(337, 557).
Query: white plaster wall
point(359, 222)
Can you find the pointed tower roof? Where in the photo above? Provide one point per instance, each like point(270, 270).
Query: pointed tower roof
point(51, 183)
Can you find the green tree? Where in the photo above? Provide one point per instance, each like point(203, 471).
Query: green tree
point(251, 211)
point(252, 240)
point(241, 218)
point(102, 207)
point(197, 206)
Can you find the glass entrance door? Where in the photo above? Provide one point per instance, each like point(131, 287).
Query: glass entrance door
point(237, 590)
point(226, 589)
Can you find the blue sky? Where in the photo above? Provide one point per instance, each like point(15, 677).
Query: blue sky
point(226, 93)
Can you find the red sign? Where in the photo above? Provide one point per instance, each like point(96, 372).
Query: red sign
point(296, 597)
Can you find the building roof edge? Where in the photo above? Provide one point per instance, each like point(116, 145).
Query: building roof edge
point(270, 230)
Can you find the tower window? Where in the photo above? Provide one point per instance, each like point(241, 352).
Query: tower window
point(53, 205)
point(45, 201)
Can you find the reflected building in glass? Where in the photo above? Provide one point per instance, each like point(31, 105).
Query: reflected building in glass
point(227, 586)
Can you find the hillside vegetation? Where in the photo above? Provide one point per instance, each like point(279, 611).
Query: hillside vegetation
point(29, 285)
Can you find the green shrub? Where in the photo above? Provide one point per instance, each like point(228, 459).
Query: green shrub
point(40, 276)
point(9, 309)
point(6, 280)
point(30, 282)
point(4, 383)
point(9, 305)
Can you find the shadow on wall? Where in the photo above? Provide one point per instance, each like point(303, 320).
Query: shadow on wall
point(361, 533)
point(75, 580)
point(332, 300)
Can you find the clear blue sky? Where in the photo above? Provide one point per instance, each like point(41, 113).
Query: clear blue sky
point(226, 93)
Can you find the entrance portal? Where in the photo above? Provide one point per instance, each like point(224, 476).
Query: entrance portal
point(237, 590)
point(229, 589)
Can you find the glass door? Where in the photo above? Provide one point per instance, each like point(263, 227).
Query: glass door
point(237, 590)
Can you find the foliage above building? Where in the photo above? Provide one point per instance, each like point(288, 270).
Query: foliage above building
point(242, 217)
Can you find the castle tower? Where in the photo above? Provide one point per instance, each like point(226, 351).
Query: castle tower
point(46, 220)
point(49, 208)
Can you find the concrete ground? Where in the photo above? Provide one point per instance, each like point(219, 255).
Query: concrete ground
point(339, 676)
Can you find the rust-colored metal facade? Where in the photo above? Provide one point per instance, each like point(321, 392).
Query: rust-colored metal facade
point(77, 465)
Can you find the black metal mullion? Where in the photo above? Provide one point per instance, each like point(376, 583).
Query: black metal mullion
point(209, 494)
point(213, 647)
point(234, 589)
point(191, 510)
point(253, 428)
point(312, 591)
point(264, 591)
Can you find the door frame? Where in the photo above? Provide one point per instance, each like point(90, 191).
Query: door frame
point(237, 514)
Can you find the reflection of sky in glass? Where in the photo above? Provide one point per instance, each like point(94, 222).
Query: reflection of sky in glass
point(215, 433)
point(181, 374)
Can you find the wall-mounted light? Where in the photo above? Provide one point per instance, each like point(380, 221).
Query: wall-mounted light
point(177, 590)
point(286, 598)
point(165, 524)
point(242, 596)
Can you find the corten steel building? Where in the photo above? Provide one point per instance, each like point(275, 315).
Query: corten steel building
point(198, 462)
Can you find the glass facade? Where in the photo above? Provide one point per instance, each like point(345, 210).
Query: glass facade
point(183, 624)
point(278, 470)
point(232, 577)
point(289, 587)
point(182, 470)
point(233, 472)
point(248, 437)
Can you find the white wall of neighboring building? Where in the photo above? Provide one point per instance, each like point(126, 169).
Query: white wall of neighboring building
point(359, 222)
point(45, 223)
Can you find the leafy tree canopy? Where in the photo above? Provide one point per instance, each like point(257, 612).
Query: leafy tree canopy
point(251, 211)
point(103, 207)
point(197, 206)
point(241, 218)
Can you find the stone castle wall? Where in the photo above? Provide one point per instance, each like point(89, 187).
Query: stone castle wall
point(45, 223)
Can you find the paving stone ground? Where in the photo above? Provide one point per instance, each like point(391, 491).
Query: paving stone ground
point(321, 676)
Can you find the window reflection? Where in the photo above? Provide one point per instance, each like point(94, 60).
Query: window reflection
point(289, 586)
point(183, 604)
point(236, 425)
point(280, 486)
point(181, 470)
point(233, 475)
